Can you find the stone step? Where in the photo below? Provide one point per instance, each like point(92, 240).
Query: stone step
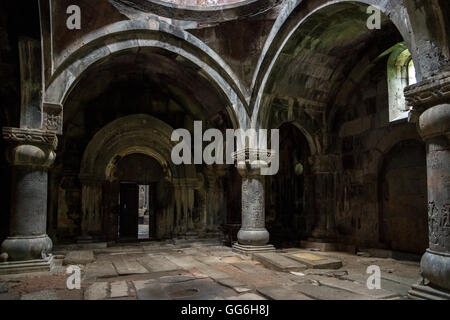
point(17, 267)
point(314, 261)
point(278, 262)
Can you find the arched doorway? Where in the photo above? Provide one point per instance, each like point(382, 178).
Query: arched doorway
point(290, 193)
point(138, 176)
point(128, 152)
point(403, 198)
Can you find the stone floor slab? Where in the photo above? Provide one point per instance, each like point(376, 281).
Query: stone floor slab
point(212, 272)
point(355, 287)
point(235, 284)
point(119, 289)
point(98, 270)
point(278, 262)
point(176, 279)
point(246, 296)
point(96, 291)
point(314, 261)
point(397, 288)
point(279, 293)
point(156, 263)
point(125, 267)
point(40, 295)
point(79, 257)
point(182, 261)
point(198, 289)
point(9, 296)
point(320, 292)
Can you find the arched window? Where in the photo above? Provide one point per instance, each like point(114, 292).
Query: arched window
point(411, 72)
point(400, 73)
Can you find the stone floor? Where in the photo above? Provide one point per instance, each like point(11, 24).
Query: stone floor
point(207, 270)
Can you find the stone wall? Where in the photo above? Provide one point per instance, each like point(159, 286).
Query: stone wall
point(378, 187)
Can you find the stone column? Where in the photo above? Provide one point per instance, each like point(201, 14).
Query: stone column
point(431, 110)
point(31, 153)
point(253, 236)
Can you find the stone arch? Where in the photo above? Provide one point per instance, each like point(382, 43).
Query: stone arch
point(135, 134)
point(309, 131)
point(291, 20)
point(386, 142)
point(207, 12)
point(134, 35)
point(351, 82)
point(132, 134)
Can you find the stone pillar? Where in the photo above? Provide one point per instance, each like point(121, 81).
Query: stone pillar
point(31, 153)
point(253, 236)
point(431, 110)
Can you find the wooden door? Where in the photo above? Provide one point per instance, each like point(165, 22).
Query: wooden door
point(129, 205)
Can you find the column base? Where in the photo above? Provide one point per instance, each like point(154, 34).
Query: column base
point(27, 266)
point(26, 248)
point(422, 292)
point(249, 250)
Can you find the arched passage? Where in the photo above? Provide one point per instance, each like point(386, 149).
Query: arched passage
point(290, 194)
point(314, 51)
point(325, 70)
point(403, 198)
point(104, 168)
point(103, 44)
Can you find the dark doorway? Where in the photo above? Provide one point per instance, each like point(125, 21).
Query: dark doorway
point(129, 212)
point(139, 176)
point(289, 198)
point(403, 198)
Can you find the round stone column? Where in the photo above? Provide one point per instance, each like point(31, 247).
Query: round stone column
point(31, 153)
point(253, 235)
point(434, 126)
point(253, 230)
point(430, 99)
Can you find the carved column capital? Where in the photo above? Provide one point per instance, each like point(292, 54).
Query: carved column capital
point(30, 147)
point(250, 162)
point(52, 119)
point(428, 93)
